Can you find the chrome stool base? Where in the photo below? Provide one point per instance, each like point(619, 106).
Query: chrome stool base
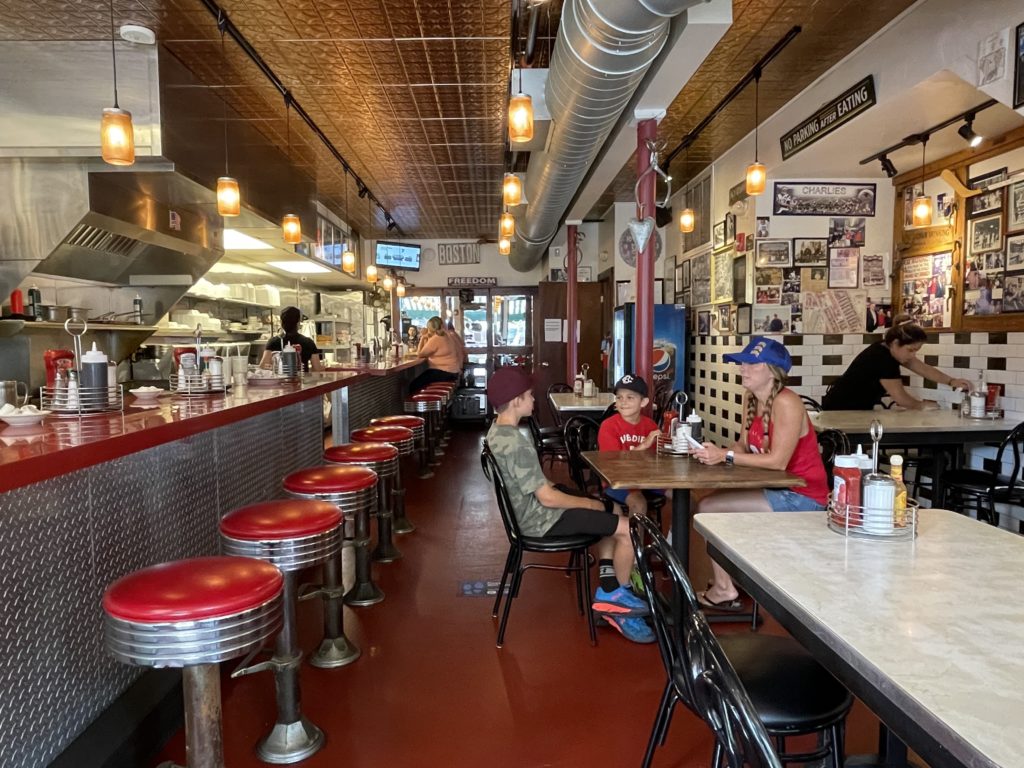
point(335, 652)
point(290, 742)
point(363, 594)
point(385, 551)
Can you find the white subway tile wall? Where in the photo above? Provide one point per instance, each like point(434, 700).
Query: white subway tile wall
point(820, 359)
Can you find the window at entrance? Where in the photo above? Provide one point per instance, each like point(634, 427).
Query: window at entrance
point(416, 310)
point(509, 317)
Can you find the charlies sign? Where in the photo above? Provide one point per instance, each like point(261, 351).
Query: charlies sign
point(839, 111)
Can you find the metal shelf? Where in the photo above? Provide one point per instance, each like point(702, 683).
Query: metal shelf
point(238, 302)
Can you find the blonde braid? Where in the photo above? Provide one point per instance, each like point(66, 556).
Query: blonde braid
point(751, 405)
point(766, 414)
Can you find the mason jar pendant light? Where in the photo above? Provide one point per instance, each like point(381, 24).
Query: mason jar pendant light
point(229, 199)
point(400, 288)
point(512, 189)
point(686, 219)
point(504, 246)
point(117, 137)
point(291, 227)
point(506, 225)
point(348, 257)
point(388, 282)
point(520, 116)
point(371, 273)
point(756, 174)
point(923, 203)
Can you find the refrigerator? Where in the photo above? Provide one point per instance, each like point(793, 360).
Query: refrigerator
point(668, 362)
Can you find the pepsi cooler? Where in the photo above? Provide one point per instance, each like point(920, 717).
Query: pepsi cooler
point(668, 362)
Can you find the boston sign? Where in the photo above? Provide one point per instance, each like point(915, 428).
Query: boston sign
point(832, 115)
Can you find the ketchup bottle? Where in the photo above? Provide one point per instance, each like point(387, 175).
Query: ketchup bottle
point(17, 302)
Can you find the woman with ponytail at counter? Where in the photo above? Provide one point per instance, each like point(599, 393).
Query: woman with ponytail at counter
point(442, 353)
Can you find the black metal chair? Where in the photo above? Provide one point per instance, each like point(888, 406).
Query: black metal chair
point(581, 435)
point(557, 388)
point(740, 683)
point(663, 403)
point(577, 546)
point(812, 405)
point(832, 443)
point(982, 489)
point(547, 441)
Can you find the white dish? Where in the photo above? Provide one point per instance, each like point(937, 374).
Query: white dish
point(147, 393)
point(24, 419)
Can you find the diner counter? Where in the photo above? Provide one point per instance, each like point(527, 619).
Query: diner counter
point(381, 367)
point(60, 445)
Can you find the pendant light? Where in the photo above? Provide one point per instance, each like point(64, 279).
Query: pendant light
point(348, 257)
point(291, 227)
point(686, 220)
point(506, 225)
point(400, 288)
point(756, 174)
point(388, 282)
point(520, 116)
point(117, 137)
point(923, 203)
point(504, 246)
point(371, 273)
point(512, 189)
point(229, 200)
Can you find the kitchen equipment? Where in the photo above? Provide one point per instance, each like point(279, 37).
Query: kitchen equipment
point(9, 393)
point(17, 302)
point(55, 313)
point(78, 314)
point(285, 363)
point(82, 392)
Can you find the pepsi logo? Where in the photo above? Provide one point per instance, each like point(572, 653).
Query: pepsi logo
point(661, 361)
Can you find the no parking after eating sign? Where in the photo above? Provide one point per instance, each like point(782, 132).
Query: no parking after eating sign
point(833, 114)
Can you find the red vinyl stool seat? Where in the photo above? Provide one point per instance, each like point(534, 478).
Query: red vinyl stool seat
point(353, 489)
point(401, 438)
point(431, 405)
point(292, 534)
point(404, 440)
point(194, 614)
point(418, 426)
point(382, 458)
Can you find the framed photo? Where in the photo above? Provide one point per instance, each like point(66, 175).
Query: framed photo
point(992, 57)
point(743, 319)
point(812, 198)
point(843, 267)
point(1018, 68)
point(686, 274)
point(1015, 211)
point(763, 226)
point(679, 277)
point(988, 201)
point(846, 232)
point(739, 278)
point(1015, 253)
point(985, 233)
point(810, 251)
point(723, 319)
point(703, 322)
point(718, 235)
point(741, 242)
point(730, 228)
point(773, 253)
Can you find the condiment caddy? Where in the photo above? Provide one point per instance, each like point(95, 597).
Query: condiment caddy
point(88, 386)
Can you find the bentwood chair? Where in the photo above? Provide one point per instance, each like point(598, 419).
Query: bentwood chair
point(578, 546)
point(547, 441)
point(557, 388)
point(810, 404)
point(832, 443)
point(746, 687)
point(981, 489)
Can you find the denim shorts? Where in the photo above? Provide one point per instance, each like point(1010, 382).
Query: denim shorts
point(785, 500)
point(619, 494)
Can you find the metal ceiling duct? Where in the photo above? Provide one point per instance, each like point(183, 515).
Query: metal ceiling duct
point(602, 54)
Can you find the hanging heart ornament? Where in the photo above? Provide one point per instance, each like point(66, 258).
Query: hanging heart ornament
point(641, 231)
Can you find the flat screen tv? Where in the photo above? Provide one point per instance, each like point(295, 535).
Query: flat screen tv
point(397, 255)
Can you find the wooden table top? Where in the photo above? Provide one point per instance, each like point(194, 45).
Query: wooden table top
point(649, 469)
point(567, 401)
point(904, 620)
point(943, 420)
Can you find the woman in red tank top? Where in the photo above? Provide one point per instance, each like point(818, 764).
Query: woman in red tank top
point(776, 434)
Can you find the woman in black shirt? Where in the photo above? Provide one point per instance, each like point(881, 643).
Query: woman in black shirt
point(875, 372)
point(290, 317)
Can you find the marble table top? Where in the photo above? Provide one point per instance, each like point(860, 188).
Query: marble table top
point(567, 401)
point(934, 625)
point(907, 421)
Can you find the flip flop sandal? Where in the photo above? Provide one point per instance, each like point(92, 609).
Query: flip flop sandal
point(728, 606)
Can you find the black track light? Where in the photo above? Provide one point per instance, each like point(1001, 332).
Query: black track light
point(391, 224)
point(966, 131)
point(363, 190)
point(887, 166)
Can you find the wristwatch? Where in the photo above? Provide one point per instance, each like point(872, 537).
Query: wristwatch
point(730, 457)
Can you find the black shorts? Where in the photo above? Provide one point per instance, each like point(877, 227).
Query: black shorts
point(584, 521)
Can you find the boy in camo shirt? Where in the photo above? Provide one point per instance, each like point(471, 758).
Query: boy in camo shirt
point(543, 510)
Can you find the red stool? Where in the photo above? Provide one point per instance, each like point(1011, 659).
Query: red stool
point(354, 490)
point(403, 440)
point(416, 424)
point(194, 614)
point(447, 392)
point(430, 406)
point(382, 459)
point(292, 534)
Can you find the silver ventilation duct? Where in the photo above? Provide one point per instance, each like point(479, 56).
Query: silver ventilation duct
point(604, 50)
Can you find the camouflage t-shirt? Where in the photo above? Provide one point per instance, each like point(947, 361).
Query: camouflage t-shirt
point(522, 474)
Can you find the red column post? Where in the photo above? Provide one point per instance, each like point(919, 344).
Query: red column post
point(572, 306)
point(643, 342)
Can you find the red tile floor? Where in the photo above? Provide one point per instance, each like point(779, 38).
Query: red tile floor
point(431, 688)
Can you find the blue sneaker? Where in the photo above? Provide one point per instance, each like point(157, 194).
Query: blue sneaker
point(632, 628)
point(620, 602)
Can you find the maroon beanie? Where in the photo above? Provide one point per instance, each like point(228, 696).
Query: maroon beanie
point(506, 384)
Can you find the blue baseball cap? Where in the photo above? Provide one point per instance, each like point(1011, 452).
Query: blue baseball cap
point(762, 350)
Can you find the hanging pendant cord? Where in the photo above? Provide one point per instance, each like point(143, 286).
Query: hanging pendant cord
point(924, 142)
point(113, 55)
point(224, 102)
point(757, 101)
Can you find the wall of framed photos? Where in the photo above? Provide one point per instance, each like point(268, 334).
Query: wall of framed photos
point(978, 242)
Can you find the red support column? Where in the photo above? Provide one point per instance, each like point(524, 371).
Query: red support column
point(643, 341)
point(572, 307)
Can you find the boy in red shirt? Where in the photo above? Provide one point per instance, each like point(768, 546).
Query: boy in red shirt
point(629, 430)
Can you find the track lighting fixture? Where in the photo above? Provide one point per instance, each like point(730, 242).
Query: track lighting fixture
point(363, 191)
point(966, 132)
point(887, 166)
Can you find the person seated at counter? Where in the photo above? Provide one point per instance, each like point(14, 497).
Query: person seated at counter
point(545, 510)
point(412, 337)
point(777, 434)
point(442, 353)
point(290, 319)
point(875, 372)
